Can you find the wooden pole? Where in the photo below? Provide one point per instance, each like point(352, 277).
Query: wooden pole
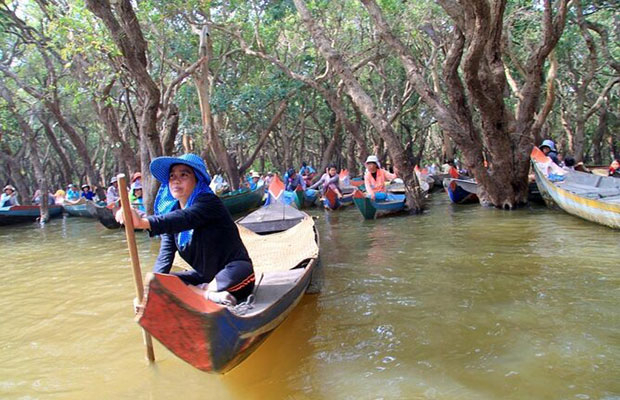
point(133, 252)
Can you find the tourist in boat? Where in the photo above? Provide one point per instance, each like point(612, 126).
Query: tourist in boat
point(36, 198)
point(194, 222)
point(9, 197)
point(293, 179)
point(254, 180)
point(329, 179)
point(548, 147)
point(111, 195)
point(59, 197)
point(307, 172)
point(136, 195)
point(569, 164)
point(87, 193)
point(374, 179)
point(614, 169)
point(135, 177)
point(72, 193)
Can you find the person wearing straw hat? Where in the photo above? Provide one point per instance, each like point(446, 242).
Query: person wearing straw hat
point(194, 222)
point(9, 197)
point(374, 179)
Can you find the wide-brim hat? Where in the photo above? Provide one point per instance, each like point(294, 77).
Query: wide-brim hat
point(160, 167)
point(548, 143)
point(136, 185)
point(373, 159)
point(8, 187)
point(255, 175)
point(85, 186)
point(113, 180)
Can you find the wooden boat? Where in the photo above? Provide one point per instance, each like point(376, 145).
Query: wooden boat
point(243, 199)
point(103, 214)
point(305, 198)
point(461, 191)
point(79, 208)
point(373, 209)
point(18, 214)
point(216, 338)
point(591, 197)
point(276, 216)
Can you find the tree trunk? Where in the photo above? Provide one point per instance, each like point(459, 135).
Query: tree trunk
point(66, 170)
point(366, 105)
point(127, 35)
point(30, 139)
point(597, 139)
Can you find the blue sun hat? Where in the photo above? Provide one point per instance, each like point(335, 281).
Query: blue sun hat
point(548, 143)
point(165, 202)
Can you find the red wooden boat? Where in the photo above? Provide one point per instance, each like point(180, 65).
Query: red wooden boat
point(216, 338)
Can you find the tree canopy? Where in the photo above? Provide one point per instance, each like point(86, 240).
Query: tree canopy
point(91, 88)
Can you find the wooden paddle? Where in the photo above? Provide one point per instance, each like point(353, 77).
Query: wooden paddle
point(135, 261)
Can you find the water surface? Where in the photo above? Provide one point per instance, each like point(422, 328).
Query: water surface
point(463, 302)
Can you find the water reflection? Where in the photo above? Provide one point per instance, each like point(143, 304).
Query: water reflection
point(461, 302)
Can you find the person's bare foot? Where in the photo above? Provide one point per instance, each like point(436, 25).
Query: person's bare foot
point(222, 297)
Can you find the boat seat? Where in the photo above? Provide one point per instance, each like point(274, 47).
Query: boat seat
point(272, 286)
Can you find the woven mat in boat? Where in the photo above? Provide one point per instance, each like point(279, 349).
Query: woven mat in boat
point(278, 251)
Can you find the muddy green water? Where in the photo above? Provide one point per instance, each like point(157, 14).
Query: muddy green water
point(460, 303)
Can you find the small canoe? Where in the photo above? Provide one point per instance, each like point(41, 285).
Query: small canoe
point(103, 214)
point(373, 209)
point(215, 338)
point(592, 197)
point(78, 208)
point(18, 214)
point(243, 199)
point(461, 191)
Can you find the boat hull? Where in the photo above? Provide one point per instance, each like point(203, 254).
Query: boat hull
point(79, 210)
point(460, 193)
point(243, 200)
point(104, 215)
point(593, 210)
point(20, 214)
point(373, 209)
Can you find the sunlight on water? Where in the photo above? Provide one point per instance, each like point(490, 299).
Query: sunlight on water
point(462, 302)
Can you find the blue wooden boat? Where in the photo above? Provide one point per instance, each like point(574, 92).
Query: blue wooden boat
point(18, 214)
point(373, 209)
point(214, 337)
point(461, 191)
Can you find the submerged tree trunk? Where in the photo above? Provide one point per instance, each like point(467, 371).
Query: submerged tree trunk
point(127, 34)
point(476, 51)
point(30, 140)
point(367, 106)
